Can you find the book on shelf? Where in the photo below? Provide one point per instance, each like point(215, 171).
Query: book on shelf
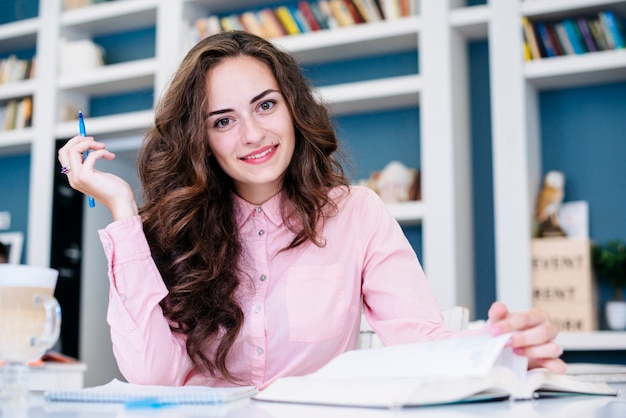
point(305, 9)
point(462, 369)
point(357, 17)
point(598, 34)
point(575, 37)
point(16, 114)
point(390, 9)
point(531, 37)
point(270, 23)
point(287, 20)
point(549, 47)
point(564, 41)
point(298, 17)
point(252, 23)
point(341, 13)
point(612, 29)
point(585, 30)
point(325, 10)
point(13, 69)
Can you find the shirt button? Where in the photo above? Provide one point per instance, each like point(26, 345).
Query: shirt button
point(122, 297)
point(263, 277)
point(257, 309)
point(261, 232)
point(259, 210)
point(259, 350)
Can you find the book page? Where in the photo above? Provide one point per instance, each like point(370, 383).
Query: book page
point(454, 357)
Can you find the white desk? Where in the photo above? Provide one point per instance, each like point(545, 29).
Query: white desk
point(566, 407)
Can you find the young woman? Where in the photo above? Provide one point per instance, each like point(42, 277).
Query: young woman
point(252, 257)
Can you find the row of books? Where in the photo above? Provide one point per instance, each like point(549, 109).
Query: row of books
point(15, 69)
point(304, 16)
point(599, 32)
point(77, 4)
point(16, 114)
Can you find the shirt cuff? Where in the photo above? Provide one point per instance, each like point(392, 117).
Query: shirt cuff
point(124, 240)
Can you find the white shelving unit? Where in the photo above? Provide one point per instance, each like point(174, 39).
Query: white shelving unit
point(171, 18)
point(515, 85)
point(440, 34)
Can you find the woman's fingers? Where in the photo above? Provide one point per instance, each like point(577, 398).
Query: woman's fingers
point(78, 168)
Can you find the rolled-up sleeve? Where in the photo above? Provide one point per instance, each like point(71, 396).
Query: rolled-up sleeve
point(146, 350)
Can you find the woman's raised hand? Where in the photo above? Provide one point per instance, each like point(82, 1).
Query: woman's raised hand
point(108, 189)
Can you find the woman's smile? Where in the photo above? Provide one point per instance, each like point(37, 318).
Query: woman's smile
point(261, 156)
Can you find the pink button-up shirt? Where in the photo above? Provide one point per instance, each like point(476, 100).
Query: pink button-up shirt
point(302, 307)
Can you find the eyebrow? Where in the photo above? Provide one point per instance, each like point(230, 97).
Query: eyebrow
point(254, 99)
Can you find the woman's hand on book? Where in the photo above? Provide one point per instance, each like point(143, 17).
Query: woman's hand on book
point(533, 335)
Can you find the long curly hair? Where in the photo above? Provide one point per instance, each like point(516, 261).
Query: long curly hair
point(188, 209)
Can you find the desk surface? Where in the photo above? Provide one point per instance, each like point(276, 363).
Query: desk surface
point(566, 407)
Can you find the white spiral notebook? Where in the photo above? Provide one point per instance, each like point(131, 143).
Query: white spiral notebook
point(117, 391)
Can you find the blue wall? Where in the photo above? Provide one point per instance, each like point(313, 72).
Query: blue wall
point(14, 185)
point(11, 10)
point(584, 135)
point(482, 174)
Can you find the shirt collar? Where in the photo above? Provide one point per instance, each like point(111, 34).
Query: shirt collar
point(271, 208)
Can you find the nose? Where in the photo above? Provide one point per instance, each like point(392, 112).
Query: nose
point(253, 131)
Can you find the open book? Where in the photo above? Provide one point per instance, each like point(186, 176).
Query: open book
point(463, 369)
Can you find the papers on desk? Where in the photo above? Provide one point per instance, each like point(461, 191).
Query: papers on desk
point(117, 391)
point(597, 372)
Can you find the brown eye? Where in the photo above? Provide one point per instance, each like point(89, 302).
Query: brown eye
point(267, 105)
point(222, 123)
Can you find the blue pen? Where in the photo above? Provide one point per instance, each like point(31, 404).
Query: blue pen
point(83, 132)
point(147, 403)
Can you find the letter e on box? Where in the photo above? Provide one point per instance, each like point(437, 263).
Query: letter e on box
point(563, 282)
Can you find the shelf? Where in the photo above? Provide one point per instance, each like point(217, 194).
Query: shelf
point(353, 41)
point(558, 9)
point(407, 213)
point(111, 17)
point(221, 6)
point(16, 141)
point(577, 70)
point(112, 126)
point(592, 341)
point(382, 94)
point(17, 89)
point(19, 35)
point(471, 22)
point(128, 76)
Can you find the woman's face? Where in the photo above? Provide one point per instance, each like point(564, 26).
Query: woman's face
point(250, 129)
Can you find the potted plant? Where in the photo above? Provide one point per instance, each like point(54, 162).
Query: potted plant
point(609, 264)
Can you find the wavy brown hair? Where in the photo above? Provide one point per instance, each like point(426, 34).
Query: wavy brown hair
point(188, 212)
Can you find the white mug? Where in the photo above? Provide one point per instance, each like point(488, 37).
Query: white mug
point(30, 316)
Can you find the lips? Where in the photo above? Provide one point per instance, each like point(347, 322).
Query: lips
point(261, 155)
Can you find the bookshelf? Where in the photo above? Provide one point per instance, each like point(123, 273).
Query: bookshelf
point(440, 33)
point(516, 114)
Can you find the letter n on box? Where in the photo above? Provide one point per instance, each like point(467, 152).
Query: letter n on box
point(563, 282)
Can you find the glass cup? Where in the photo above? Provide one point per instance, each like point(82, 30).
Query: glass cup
point(30, 322)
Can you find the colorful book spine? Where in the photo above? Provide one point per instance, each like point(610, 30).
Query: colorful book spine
point(586, 34)
point(566, 44)
point(307, 13)
point(287, 21)
point(546, 40)
point(531, 37)
point(573, 34)
point(598, 34)
point(613, 30)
